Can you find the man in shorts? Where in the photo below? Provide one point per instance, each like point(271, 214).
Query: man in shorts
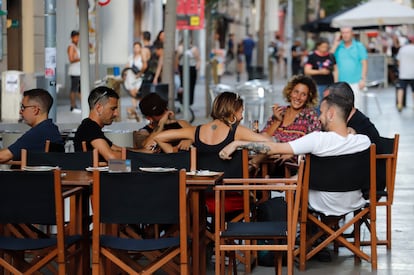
point(74, 71)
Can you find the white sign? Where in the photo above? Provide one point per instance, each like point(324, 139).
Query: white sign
point(12, 83)
point(50, 62)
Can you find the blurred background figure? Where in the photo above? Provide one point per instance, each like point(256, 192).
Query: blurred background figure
point(321, 66)
point(132, 75)
point(405, 59)
point(229, 54)
point(194, 61)
point(74, 71)
point(248, 46)
point(351, 58)
point(297, 56)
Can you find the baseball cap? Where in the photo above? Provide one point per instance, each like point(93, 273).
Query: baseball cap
point(152, 105)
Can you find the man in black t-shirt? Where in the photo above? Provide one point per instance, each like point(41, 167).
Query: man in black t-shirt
point(103, 109)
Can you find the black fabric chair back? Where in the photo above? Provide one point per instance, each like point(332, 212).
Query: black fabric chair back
point(177, 160)
point(27, 197)
point(211, 161)
point(137, 197)
point(384, 146)
point(56, 147)
point(66, 161)
point(354, 172)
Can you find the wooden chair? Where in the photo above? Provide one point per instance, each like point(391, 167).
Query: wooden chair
point(49, 147)
point(248, 230)
point(340, 174)
point(139, 198)
point(237, 202)
point(387, 153)
point(35, 198)
point(54, 147)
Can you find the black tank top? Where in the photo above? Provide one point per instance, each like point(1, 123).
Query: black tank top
point(202, 147)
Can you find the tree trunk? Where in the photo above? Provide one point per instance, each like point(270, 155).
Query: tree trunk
point(260, 43)
point(169, 51)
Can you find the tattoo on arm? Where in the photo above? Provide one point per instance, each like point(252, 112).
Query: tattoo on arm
point(257, 147)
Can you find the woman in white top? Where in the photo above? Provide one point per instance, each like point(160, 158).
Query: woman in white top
point(132, 73)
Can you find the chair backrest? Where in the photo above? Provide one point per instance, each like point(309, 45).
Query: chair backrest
point(66, 161)
point(27, 197)
point(136, 197)
point(237, 167)
point(179, 160)
point(387, 153)
point(339, 173)
point(54, 147)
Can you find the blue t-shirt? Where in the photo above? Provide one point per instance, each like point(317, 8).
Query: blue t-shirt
point(248, 45)
point(349, 60)
point(35, 138)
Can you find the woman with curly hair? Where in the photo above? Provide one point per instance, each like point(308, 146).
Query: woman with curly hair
point(296, 119)
point(227, 112)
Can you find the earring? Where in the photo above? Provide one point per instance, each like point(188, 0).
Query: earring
point(234, 120)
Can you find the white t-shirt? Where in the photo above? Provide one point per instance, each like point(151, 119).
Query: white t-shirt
point(405, 58)
point(324, 144)
point(137, 61)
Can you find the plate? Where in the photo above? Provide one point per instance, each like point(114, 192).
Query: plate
point(203, 173)
point(157, 169)
point(101, 168)
point(39, 168)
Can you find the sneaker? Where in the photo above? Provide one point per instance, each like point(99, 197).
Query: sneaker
point(75, 110)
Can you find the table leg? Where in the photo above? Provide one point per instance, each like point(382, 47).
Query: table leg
point(199, 232)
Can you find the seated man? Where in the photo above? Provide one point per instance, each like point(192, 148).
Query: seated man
point(357, 122)
point(103, 109)
point(36, 104)
point(155, 109)
point(333, 140)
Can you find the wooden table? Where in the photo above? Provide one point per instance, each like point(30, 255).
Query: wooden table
point(197, 186)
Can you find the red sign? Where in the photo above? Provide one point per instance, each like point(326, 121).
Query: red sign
point(190, 14)
point(103, 2)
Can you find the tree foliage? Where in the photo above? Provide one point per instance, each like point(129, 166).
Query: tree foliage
point(332, 6)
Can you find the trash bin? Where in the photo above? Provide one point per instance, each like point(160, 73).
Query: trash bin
point(11, 95)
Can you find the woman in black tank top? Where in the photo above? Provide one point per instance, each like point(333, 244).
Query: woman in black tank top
point(227, 112)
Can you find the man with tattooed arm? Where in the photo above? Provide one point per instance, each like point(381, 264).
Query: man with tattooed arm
point(333, 140)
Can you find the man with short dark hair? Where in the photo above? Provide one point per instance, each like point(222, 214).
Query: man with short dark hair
point(103, 109)
point(155, 109)
point(357, 122)
point(332, 141)
point(34, 110)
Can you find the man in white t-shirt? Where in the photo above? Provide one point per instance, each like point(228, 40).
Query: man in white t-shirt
point(332, 141)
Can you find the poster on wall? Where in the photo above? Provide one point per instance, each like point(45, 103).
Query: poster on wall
point(50, 62)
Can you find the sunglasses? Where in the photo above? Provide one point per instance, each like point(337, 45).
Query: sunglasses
point(100, 97)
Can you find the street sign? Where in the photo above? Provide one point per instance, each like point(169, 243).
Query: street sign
point(190, 14)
